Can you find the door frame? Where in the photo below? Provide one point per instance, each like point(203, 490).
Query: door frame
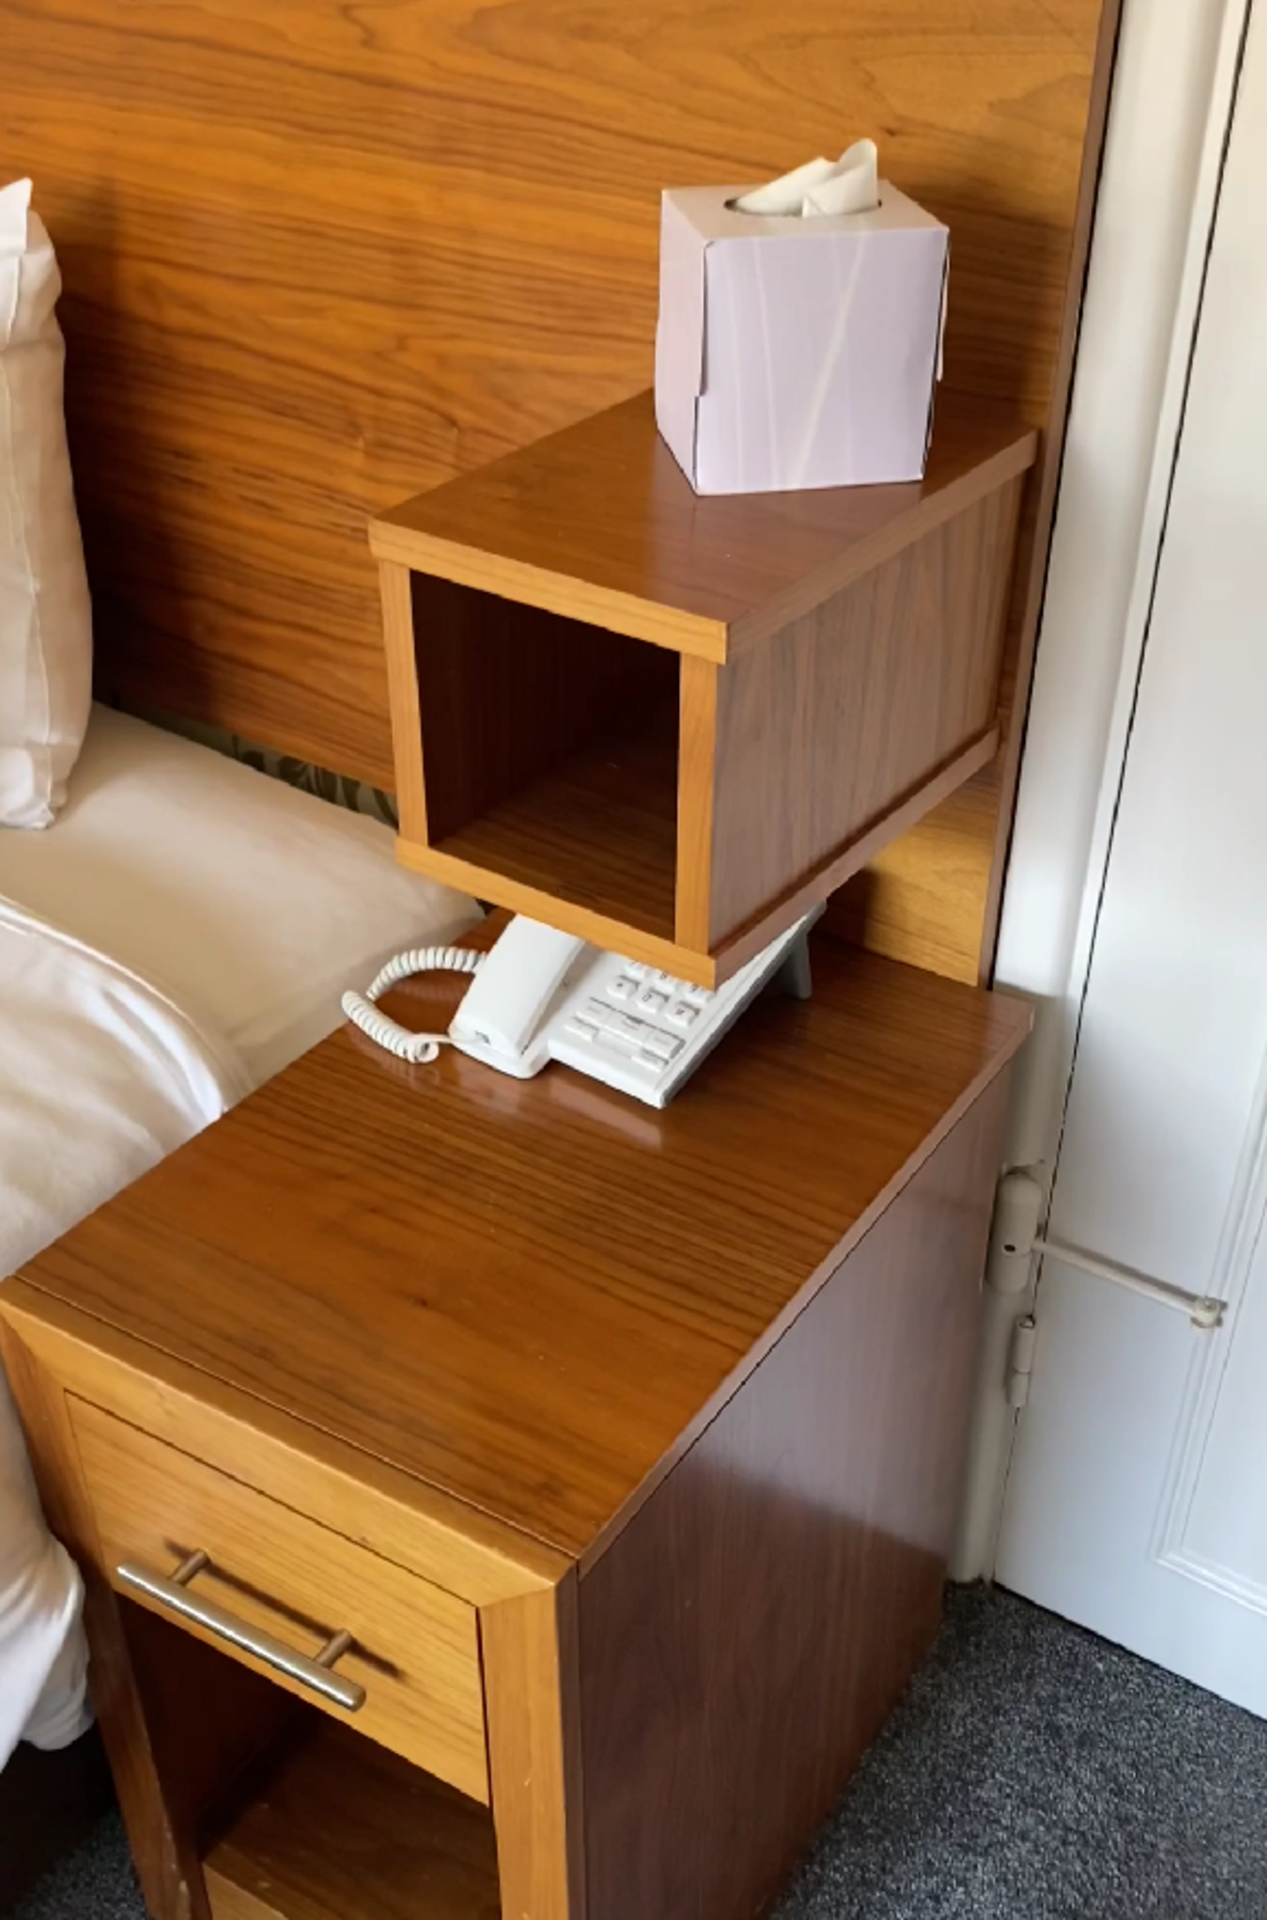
point(1170, 114)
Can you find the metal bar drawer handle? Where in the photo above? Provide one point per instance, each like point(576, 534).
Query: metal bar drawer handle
point(311, 1671)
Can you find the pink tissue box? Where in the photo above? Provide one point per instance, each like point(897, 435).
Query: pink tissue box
point(797, 353)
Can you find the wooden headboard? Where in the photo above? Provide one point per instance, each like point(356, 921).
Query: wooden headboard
point(320, 254)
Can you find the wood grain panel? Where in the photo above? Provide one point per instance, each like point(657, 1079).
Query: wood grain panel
point(415, 1649)
point(744, 1639)
point(598, 523)
point(304, 1467)
point(506, 692)
point(319, 257)
point(921, 898)
point(532, 1688)
point(598, 830)
point(451, 1270)
point(594, 837)
point(329, 1827)
point(696, 795)
point(211, 1718)
point(395, 585)
point(546, 897)
point(856, 853)
point(826, 725)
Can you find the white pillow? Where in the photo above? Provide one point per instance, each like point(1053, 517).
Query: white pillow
point(45, 617)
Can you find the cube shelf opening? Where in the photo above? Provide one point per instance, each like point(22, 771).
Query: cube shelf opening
point(673, 724)
point(549, 754)
point(326, 1825)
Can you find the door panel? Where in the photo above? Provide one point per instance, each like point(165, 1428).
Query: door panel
point(1221, 1528)
point(1137, 1501)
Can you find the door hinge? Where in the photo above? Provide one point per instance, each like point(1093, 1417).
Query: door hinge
point(1020, 1361)
point(1015, 1239)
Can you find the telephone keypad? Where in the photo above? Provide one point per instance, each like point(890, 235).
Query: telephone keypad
point(644, 1031)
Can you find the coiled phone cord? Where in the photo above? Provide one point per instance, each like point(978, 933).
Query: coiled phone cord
point(418, 1048)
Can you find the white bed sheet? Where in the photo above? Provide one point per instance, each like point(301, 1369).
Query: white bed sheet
point(181, 933)
point(99, 1077)
point(250, 904)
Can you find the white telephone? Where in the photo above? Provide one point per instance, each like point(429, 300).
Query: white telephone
point(541, 995)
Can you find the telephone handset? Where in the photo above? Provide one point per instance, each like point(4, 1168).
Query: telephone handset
point(514, 983)
point(542, 995)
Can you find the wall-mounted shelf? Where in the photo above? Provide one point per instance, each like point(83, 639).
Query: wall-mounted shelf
point(671, 723)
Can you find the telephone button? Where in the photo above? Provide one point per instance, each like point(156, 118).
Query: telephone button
point(622, 1034)
point(662, 1046)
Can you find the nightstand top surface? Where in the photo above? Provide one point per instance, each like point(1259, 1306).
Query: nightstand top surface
point(598, 522)
point(534, 1294)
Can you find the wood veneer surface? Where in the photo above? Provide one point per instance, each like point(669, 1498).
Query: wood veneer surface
point(328, 1826)
point(415, 1646)
point(319, 257)
point(599, 523)
point(535, 1763)
point(507, 693)
point(828, 724)
point(531, 1294)
point(745, 1637)
point(599, 829)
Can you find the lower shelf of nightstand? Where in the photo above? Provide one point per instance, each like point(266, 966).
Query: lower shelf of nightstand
point(329, 1826)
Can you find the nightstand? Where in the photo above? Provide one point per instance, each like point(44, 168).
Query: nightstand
point(500, 1498)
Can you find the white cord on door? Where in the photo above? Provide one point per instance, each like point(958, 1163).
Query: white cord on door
point(418, 1048)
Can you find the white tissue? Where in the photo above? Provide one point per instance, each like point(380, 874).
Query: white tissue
point(787, 193)
point(853, 186)
point(821, 186)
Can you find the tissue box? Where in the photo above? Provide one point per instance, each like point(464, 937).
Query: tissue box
point(797, 352)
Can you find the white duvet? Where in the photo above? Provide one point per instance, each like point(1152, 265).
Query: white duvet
point(100, 1077)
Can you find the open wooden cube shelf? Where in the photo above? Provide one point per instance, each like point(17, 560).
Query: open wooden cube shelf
point(672, 724)
point(326, 1826)
point(550, 752)
point(295, 1814)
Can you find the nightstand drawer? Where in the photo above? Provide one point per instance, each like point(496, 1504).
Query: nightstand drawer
point(275, 1573)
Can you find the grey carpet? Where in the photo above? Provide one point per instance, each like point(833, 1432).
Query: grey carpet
point(1032, 1773)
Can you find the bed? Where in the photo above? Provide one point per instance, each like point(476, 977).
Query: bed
point(180, 934)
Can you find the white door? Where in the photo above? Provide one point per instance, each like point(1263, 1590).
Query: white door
point(1137, 1496)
